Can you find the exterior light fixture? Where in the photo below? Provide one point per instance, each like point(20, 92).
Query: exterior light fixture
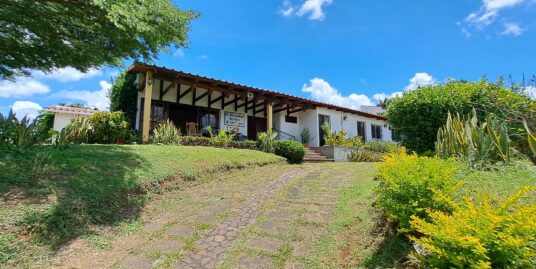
point(345, 117)
point(150, 81)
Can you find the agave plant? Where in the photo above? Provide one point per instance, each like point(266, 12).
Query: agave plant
point(267, 141)
point(486, 142)
point(77, 132)
point(531, 137)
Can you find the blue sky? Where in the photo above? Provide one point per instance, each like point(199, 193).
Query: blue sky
point(345, 52)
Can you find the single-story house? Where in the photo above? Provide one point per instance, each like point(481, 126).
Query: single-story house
point(63, 115)
point(193, 102)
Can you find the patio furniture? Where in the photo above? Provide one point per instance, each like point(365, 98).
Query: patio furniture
point(192, 129)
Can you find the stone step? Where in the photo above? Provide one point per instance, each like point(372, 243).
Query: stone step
point(307, 160)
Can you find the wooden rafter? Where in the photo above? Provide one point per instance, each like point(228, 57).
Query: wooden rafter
point(225, 104)
point(189, 90)
point(207, 93)
point(166, 90)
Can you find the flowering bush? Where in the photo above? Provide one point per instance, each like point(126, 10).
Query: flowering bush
point(480, 234)
point(409, 185)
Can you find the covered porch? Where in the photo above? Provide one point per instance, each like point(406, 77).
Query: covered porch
point(194, 102)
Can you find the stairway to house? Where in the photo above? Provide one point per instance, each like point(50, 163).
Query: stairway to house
point(311, 156)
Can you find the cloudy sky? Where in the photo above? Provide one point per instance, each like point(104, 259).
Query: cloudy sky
point(349, 53)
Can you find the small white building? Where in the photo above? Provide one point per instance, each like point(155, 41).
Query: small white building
point(63, 115)
point(191, 100)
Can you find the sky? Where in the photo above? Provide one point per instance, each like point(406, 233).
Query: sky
point(345, 52)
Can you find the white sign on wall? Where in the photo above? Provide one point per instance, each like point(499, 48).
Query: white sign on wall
point(234, 119)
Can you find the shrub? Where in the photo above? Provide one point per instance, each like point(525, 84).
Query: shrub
point(76, 132)
point(195, 141)
point(166, 133)
point(410, 184)
point(290, 149)
point(6, 128)
point(107, 127)
point(480, 234)
point(479, 143)
point(223, 137)
point(305, 136)
point(363, 155)
point(340, 139)
point(44, 124)
point(531, 138)
point(418, 114)
point(266, 141)
point(248, 144)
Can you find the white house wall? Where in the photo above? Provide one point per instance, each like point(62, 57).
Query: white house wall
point(63, 119)
point(307, 119)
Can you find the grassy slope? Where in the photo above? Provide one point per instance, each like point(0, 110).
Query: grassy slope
point(57, 193)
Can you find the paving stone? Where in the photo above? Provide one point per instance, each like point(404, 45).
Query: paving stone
point(179, 231)
point(247, 261)
point(317, 217)
point(281, 214)
point(164, 246)
point(301, 248)
point(311, 233)
point(136, 263)
point(275, 226)
point(152, 227)
point(205, 217)
point(266, 243)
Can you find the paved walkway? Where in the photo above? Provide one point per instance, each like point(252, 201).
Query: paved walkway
point(270, 217)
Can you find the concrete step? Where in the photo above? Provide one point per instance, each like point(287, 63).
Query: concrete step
point(317, 160)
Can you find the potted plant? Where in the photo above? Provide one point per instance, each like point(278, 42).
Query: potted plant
point(305, 136)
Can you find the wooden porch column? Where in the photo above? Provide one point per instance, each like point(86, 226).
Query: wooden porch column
point(147, 106)
point(269, 116)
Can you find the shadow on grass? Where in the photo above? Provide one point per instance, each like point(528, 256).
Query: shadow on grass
point(393, 250)
point(80, 186)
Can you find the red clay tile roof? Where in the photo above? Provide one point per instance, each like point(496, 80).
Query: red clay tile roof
point(171, 73)
point(71, 110)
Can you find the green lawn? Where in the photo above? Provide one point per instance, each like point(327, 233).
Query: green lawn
point(58, 193)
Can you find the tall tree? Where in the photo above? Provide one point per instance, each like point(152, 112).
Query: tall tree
point(123, 96)
point(48, 34)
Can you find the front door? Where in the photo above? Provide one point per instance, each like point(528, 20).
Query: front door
point(255, 126)
point(321, 120)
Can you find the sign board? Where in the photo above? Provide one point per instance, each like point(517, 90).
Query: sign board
point(234, 119)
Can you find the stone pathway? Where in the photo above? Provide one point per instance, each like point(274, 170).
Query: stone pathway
point(212, 248)
point(267, 217)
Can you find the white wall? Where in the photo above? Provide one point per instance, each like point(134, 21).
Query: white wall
point(63, 119)
point(307, 119)
point(350, 124)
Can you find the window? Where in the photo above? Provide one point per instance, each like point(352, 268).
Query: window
point(376, 131)
point(361, 130)
point(291, 119)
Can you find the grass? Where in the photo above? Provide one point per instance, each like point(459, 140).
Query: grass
point(57, 194)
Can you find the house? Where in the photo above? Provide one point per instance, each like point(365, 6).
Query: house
point(193, 102)
point(63, 115)
point(373, 109)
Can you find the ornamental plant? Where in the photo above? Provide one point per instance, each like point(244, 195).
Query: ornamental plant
point(166, 133)
point(107, 127)
point(267, 141)
point(410, 185)
point(479, 234)
point(293, 150)
point(480, 143)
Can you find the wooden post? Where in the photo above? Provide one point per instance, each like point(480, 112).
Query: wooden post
point(147, 106)
point(269, 117)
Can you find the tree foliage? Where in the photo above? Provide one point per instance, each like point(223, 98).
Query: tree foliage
point(417, 115)
point(124, 95)
point(48, 34)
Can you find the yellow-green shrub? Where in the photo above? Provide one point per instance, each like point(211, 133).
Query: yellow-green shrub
point(480, 234)
point(410, 184)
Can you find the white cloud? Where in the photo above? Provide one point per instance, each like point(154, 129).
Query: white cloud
point(321, 91)
point(179, 53)
point(203, 57)
point(531, 92)
point(313, 8)
point(22, 87)
point(512, 29)
point(382, 96)
point(287, 10)
point(420, 79)
point(68, 74)
point(26, 108)
point(489, 12)
point(98, 99)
